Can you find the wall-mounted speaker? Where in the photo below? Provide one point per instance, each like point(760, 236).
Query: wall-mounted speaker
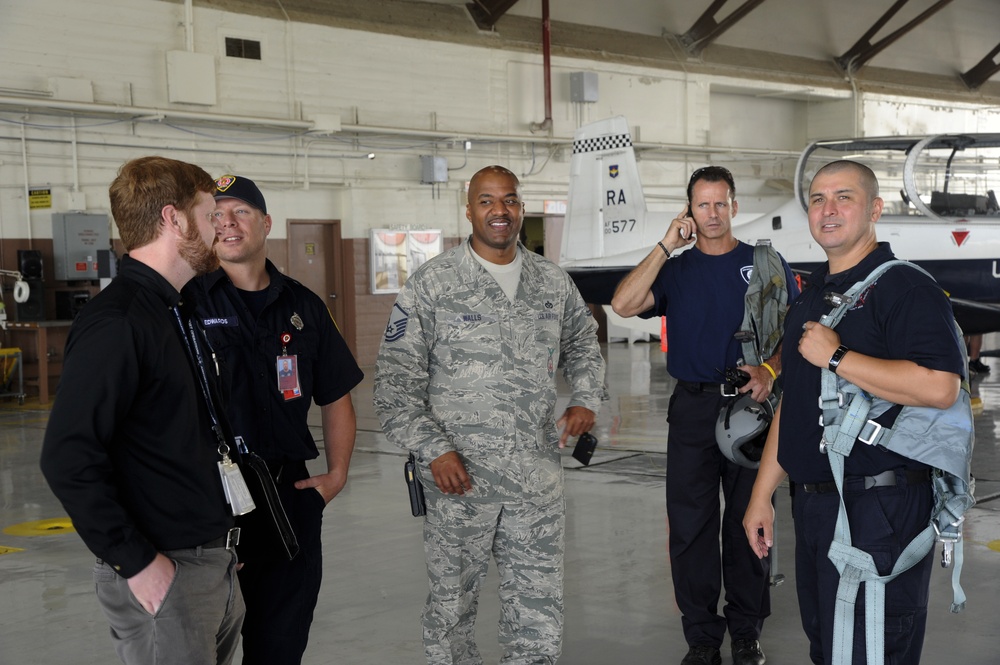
point(30, 264)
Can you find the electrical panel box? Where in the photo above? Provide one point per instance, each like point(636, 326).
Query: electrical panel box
point(191, 78)
point(76, 240)
point(583, 87)
point(433, 169)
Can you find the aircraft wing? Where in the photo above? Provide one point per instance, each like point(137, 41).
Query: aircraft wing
point(976, 317)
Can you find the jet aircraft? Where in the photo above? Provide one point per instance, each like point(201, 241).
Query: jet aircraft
point(941, 213)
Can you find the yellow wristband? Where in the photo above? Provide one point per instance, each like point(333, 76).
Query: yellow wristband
point(769, 369)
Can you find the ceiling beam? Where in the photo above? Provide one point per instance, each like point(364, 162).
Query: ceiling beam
point(486, 13)
point(982, 72)
point(706, 29)
point(863, 51)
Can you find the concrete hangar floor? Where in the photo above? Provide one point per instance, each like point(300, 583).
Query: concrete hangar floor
point(619, 600)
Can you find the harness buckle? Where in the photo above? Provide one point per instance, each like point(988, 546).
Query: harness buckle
point(947, 541)
point(840, 400)
point(874, 435)
point(822, 440)
point(947, 553)
point(837, 299)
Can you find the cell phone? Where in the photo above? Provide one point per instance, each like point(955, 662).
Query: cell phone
point(687, 215)
point(584, 448)
point(415, 488)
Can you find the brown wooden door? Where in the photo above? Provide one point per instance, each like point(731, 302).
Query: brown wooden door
point(315, 258)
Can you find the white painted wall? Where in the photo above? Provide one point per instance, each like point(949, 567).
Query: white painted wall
point(119, 47)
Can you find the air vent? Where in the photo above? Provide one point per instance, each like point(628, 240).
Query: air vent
point(242, 48)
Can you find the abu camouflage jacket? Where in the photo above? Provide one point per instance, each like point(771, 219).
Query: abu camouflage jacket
point(463, 368)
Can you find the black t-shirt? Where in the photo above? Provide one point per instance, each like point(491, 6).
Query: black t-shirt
point(904, 315)
point(249, 346)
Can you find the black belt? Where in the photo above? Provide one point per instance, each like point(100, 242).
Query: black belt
point(706, 387)
point(884, 479)
point(229, 540)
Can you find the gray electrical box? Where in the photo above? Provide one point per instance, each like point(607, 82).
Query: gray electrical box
point(583, 87)
point(76, 239)
point(433, 169)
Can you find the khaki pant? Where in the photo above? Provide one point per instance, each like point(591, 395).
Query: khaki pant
point(198, 622)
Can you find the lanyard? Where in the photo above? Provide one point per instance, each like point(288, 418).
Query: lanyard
point(193, 349)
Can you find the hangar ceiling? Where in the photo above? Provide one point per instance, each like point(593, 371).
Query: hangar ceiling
point(942, 49)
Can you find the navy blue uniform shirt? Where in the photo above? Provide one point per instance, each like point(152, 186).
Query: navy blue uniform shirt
point(903, 316)
point(249, 346)
point(702, 297)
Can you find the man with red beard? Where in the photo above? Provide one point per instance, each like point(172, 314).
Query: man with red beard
point(130, 449)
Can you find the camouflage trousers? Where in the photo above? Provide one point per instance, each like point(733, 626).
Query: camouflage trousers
point(527, 542)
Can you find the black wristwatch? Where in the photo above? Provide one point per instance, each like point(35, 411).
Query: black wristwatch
point(837, 356)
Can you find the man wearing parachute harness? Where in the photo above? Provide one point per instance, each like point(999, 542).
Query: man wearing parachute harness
point(897, 349)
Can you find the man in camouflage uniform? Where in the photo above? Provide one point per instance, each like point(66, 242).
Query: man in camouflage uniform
point(466, 380)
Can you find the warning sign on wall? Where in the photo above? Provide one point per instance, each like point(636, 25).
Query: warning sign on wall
point(39, 198)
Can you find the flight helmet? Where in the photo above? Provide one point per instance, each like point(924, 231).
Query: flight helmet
point(742, 428)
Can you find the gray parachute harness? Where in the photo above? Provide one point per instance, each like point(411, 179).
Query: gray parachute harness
point(765, 305)
point(742, 424)
point(940, 438)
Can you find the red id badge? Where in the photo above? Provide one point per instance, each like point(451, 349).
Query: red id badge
point(288, 377)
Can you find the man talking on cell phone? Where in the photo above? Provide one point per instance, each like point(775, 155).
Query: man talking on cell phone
point(701, 292)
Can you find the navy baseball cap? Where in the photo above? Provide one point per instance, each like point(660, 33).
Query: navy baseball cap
point(238, 187)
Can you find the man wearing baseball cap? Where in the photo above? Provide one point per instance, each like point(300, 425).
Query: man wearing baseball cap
point(282, 351)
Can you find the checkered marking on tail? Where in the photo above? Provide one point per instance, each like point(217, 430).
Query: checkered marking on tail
point(602, 143)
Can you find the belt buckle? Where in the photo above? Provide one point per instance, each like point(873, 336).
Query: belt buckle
point(722, 389)
point(233, 538)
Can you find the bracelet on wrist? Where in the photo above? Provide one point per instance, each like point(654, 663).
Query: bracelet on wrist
point(770, 369)
point(664, 248)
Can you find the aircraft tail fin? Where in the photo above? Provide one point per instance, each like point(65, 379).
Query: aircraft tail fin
point(606, 209)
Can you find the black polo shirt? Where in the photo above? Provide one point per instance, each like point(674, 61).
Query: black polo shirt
point(129, 449)
point(249, 346)
point(904, 316)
